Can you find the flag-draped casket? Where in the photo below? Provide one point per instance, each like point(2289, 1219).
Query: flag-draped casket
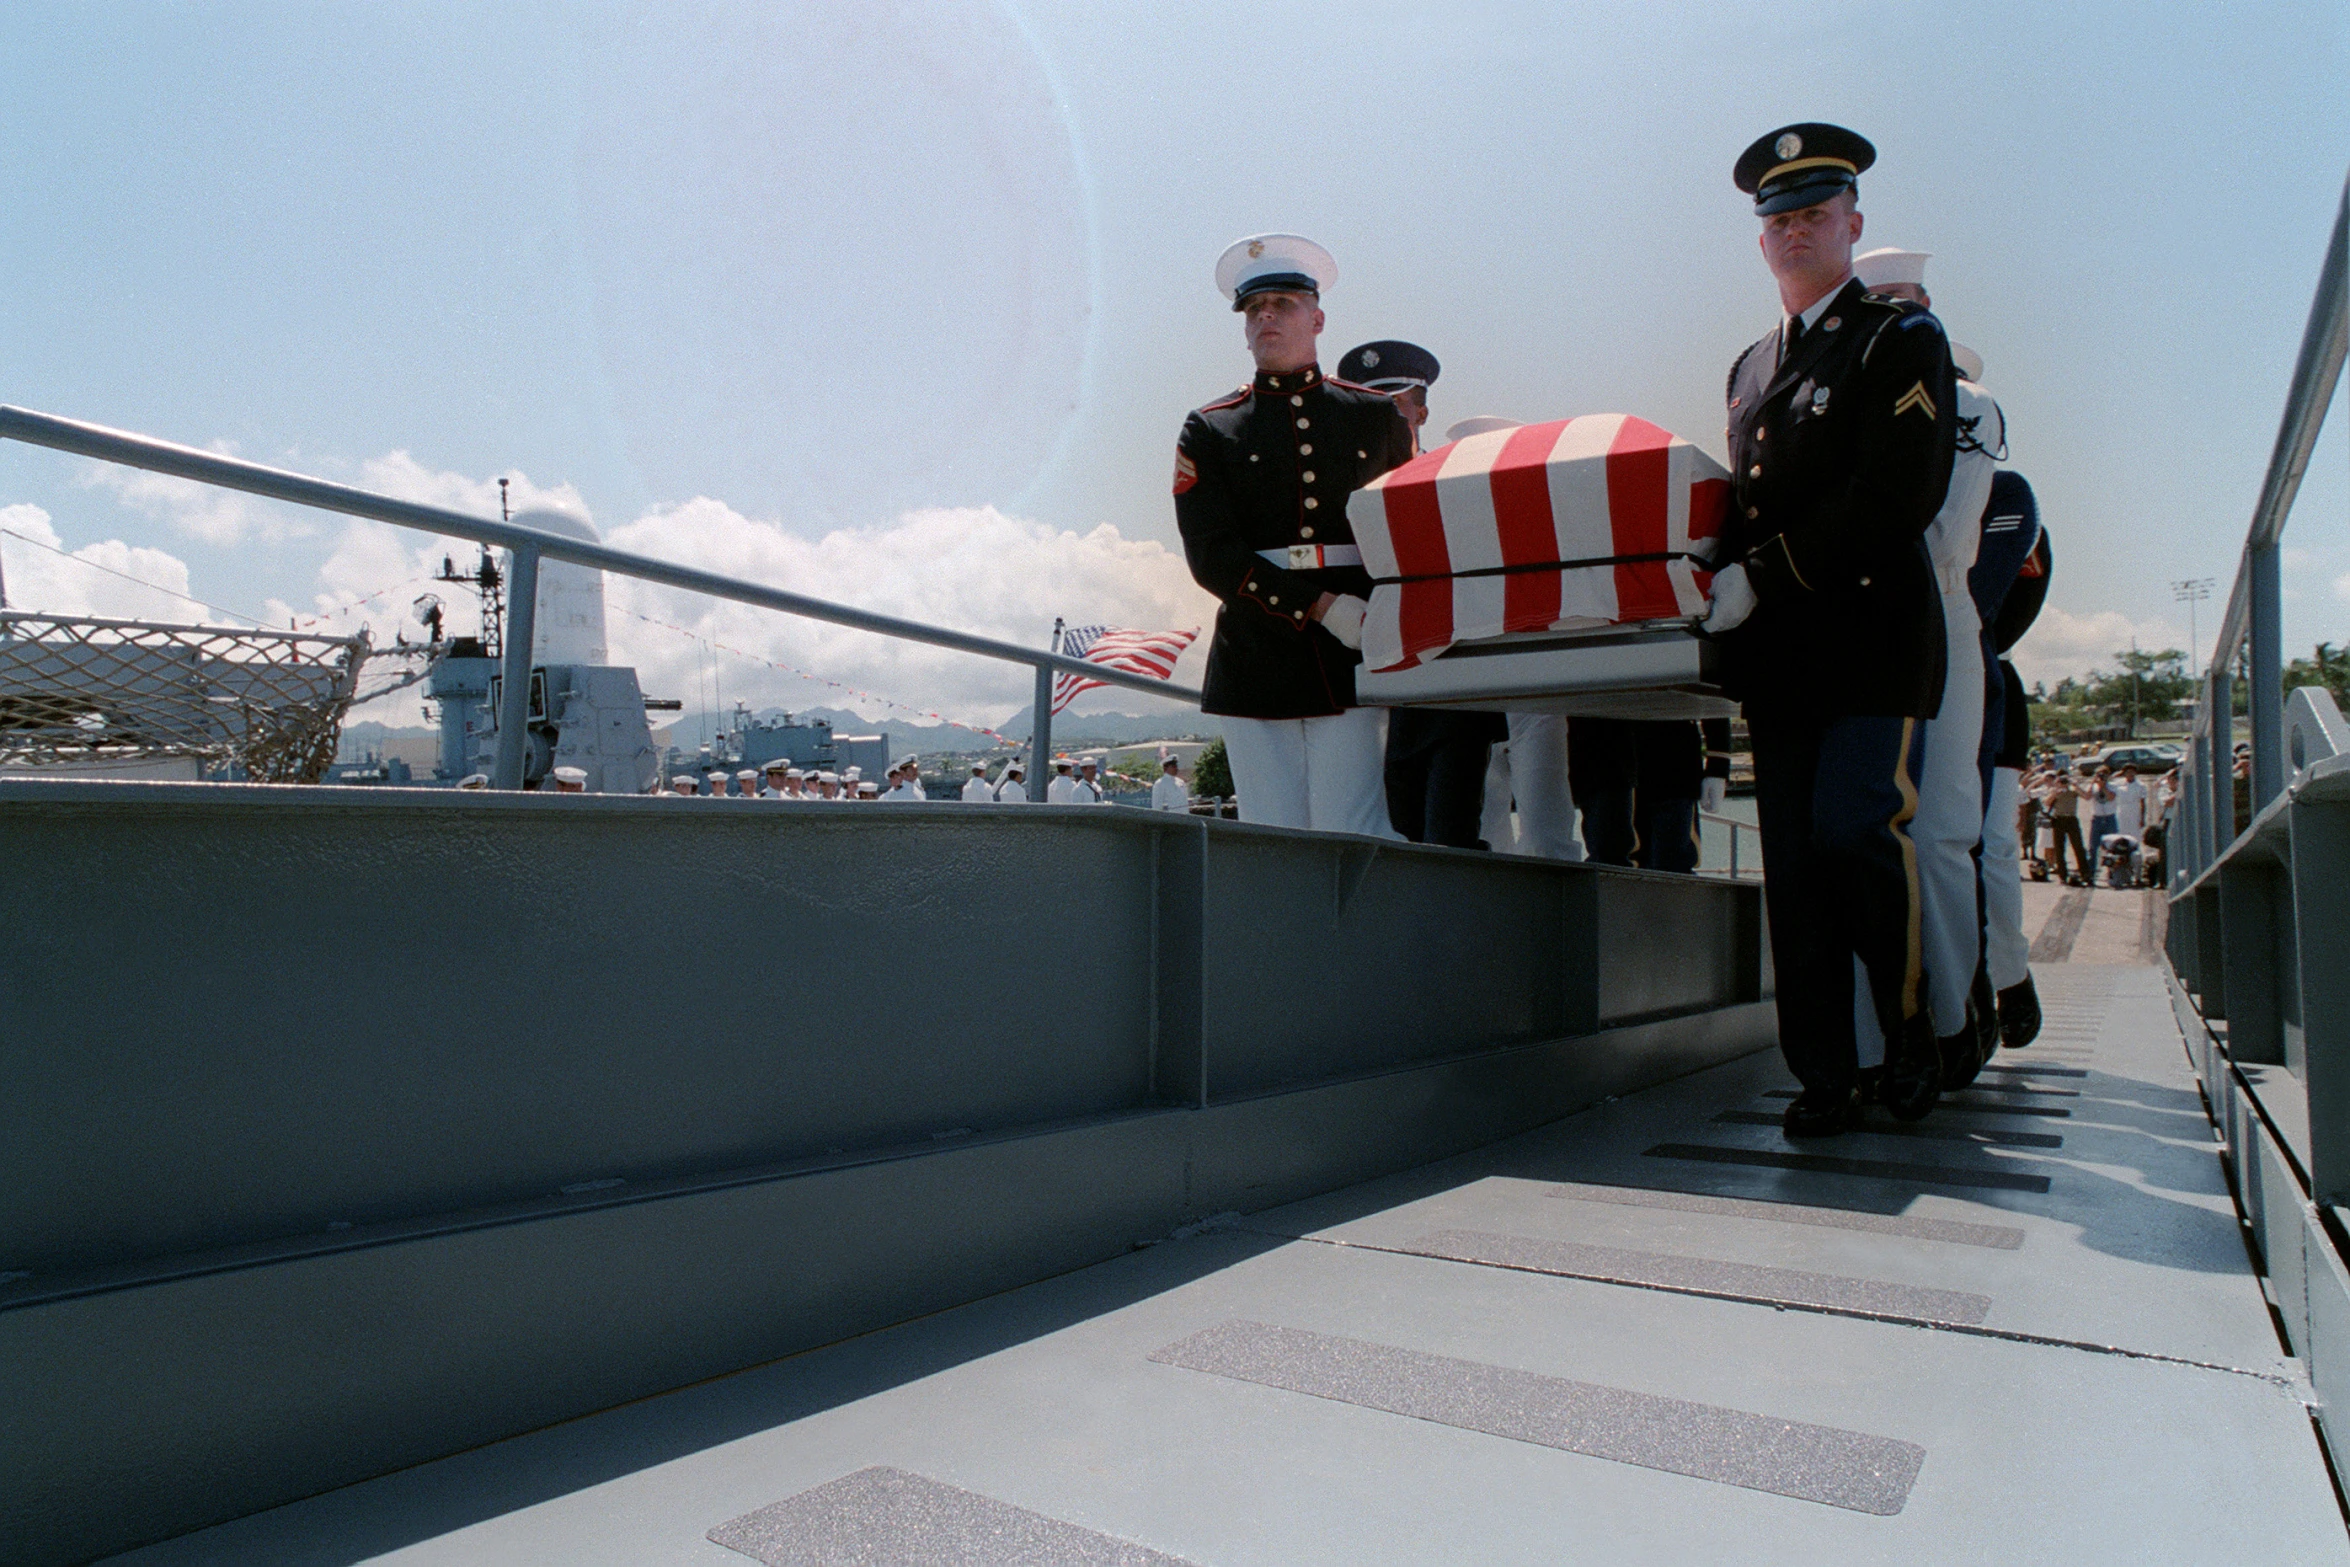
point(1594, 521)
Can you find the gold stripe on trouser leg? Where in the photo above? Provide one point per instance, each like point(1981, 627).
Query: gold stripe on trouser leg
point(1913, 961)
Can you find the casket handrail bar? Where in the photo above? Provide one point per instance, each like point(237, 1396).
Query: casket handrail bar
point(2255, 610)
point(528, 546)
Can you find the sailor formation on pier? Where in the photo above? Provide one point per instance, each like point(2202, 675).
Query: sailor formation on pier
point(1874, 567)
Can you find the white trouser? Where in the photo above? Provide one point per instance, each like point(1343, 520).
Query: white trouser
point(1538, 781)
point(1325, 774)
point(2005, 950)
point(1495, 824)
point(1945, 830)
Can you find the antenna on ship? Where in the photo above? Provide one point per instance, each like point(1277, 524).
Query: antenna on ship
point(504, 513)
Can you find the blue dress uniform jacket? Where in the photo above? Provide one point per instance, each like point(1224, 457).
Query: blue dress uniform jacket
point(1270, 468)
point(1839, 459)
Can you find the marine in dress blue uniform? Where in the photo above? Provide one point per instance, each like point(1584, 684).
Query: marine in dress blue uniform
point(1842, 429)
point(1261, 481)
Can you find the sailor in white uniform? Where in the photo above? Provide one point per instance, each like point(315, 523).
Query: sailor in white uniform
point(1949, 821)
point(569, 780)
point(795, 784)
point(1012, 788)
point(1170, 793)
point(909, 779)
point(976, 789)
point(1063, 789)
point(1088, 788)
point(679, 783)
point(746, 783)
point(777, 771)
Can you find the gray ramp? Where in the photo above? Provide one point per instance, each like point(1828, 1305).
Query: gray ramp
point(1848, 1469)
point(887, 1517)
point(2000, 1237)
point(1705, 1276)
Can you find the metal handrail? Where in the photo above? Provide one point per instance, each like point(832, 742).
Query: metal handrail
point(2256, 601)
point(1736, 826)
point(528, 545)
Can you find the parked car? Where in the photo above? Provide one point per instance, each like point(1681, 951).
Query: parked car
point(2135, 753)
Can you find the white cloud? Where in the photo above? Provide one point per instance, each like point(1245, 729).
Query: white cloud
point(969, 569)
point(2342, 586)
point(205, 512)
point(39, 579)
point(2061, 643)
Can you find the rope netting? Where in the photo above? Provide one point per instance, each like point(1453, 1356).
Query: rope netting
point(78, 688)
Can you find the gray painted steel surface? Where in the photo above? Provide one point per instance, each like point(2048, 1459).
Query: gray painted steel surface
point(294, 1216)
point(2122, 1398)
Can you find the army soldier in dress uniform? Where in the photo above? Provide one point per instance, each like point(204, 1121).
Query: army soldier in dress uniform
point(1261, 481)
point(1842, 428)
point(1436, 758)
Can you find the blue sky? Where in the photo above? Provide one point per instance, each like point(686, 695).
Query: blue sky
point(904, 305)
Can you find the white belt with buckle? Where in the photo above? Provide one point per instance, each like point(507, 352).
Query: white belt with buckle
point(1312, 557)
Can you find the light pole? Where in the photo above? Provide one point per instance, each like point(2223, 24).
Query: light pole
point(2191, 592)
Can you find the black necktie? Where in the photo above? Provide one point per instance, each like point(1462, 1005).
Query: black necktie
point(1789, 338)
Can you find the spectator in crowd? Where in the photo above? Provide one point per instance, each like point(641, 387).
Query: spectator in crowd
point(2062, 801)
point(2099, 793)
point(2129, 803)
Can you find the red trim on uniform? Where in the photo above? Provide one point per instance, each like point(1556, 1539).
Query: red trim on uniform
point(1639, 476)
point(1520, 477)
point(1234, 401)
point(1352, 386)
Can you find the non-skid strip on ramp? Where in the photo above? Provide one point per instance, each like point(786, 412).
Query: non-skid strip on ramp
point(1928, 1130)
point(1704, 1276)
point(891, 1515)
point(1831, 1164)
point(1959, 1101)
point(1812, 1463)
point(1997, 1237)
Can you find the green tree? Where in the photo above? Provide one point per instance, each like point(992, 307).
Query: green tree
point(2146, 688)
point(1212, 773)
point(2327, 666)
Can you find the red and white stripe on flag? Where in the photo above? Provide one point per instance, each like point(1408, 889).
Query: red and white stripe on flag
point(1151, 653)
point(1603, 512)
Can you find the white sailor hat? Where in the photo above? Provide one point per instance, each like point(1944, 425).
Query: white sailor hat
point(747, 775)
point(684, 783)
point(1061, 763)
point(577, 775)
point(474, 781)
point(1170, 761)
point(909, 760)
point(1265, 263)
point(793, 772)
point(980, 765)
point(853, 772)
point(868, 787)
point(780, 765)
point(1479, 425)
point(1089, 761)
point(1017, 767)
point(1884, 265)
point(1970, 363)
point(829, 777)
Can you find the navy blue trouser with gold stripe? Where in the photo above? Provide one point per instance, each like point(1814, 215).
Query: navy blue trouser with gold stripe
point(1834, 797)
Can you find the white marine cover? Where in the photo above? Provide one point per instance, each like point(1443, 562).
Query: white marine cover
point(1570, 524)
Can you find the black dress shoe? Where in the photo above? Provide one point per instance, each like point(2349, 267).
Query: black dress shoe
point(1913, 1070)
point(1983, 1003)
point(1822, 1113)
point(2019, 1014)
point(1958, 1058)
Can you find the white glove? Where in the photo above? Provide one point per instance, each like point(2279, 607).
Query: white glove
point(1733, 600)
point(1344, 619)
point(1712, 793)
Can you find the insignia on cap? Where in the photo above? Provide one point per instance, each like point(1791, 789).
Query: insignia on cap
point(1256, 249)
point(1788, 146)
point(1370, 358)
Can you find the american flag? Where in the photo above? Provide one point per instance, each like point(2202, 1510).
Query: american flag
point(1150, 653)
